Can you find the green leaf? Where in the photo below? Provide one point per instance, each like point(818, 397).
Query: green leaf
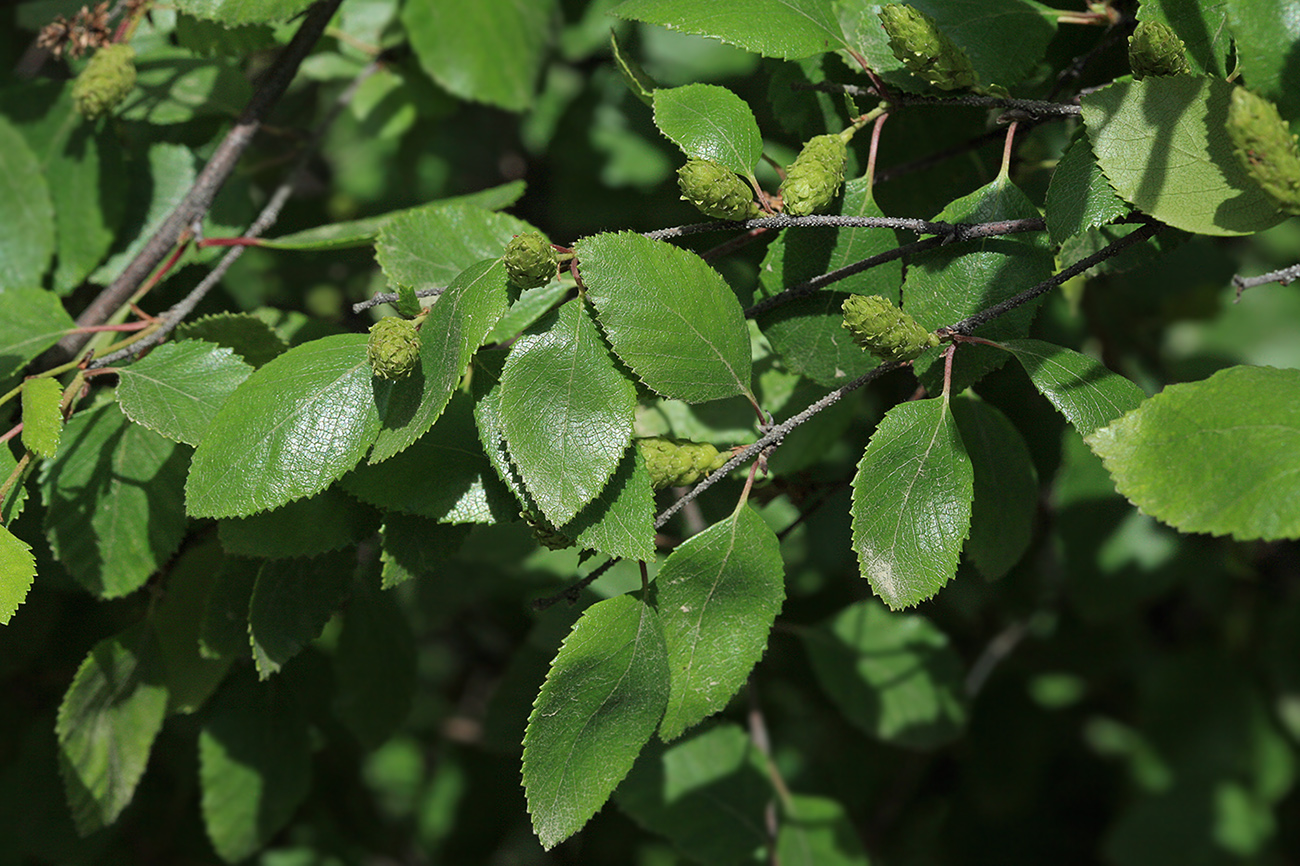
point(1203, 27)
point(1006, 487)
point(248, 336)
point(641, 84)
point(773, 28)
point(1079, 197)
point(114, 497)
point(530, 306)
point(620, 520)
point(179, 387)
point(26, 212)
point(173, 86)
point(710, 122)
point(210, 38)
point(156, 185)
point(566, 412)
point(306, 527)
point(234, 12)
point(706, 794)
point(223, 632)
point(254, 765)
point(177, 619)
point(893, 675)
point(482, 52)
point(31, 320)
point(443, 476)
point(1081, 389)
point(374, 667)
point(107, 723)
point(290, 604)
point(1220, 456)
point(952, 282)
point(600, 704)
point(427, 247)
point(1264, 36)
point(17, 570)
point(816, 831)
point(718, 595)
point(1164, 145)
point(42, 418)
point(668, 315)
point(412, 546)
point(454, 328)
point(362, 232)
point(912, 502)
point(293, 428)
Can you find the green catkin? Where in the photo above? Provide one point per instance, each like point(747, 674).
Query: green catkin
point(919, 44)
point(105, 82)
point(1265, 147)
point(544, 533)
point(679, 462)
point(394, 347)
point(884, 330)
point(1155, 50)
point(716, 190)
point(530, 260)
point(815, 176)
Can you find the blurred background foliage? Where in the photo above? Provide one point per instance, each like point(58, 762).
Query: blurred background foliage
point(1135, 693)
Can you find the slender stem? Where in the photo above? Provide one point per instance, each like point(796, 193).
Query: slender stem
point(781, 221)
point(572, 593)
point(1283, 276)
point(1032, 107)
point(391, 298)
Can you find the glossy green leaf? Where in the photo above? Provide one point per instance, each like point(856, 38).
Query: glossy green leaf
point(454, 328)
point(566, 412)
point(290, 604)
point(42, 418)
point(31, 320)
point(1081, 389)
point(482, 52)
point(817, 831)
point(952, 282)
point(223, 633)
point(600, 704)
point(718, 594)
point(1203, 28)
point(710, 122)
point(362, 232)
point(443, 476)
point(413, 547)
point(530, 306)
point(1004, 39)
point(1006, 487)
point(374, 667)
point(248, 336)
point(114, 501)
point(234, 12)
point(912, 502)
point(773, 28)
point(1264, 35)
point(254, 765)
point(305, 527)
point(17, 570)
point(427, 247)
point(1220, 456)
point(107, 723)
point(620, 520)
point(1079, 197)
point(178, 388)
point(1163, 144)
point(893, 675)
point(172, 86)
point(706, 794)
point(293, 428)
point(669, 316)
point(177, 620)
point(27, 243)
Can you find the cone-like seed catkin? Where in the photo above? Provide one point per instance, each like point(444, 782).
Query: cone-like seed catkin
point(105, 82)
point(679, 462)
point(884, 330)
point(544, 533)
point(716, 190)
point(1264, 145)
point(394, 347)
point(919, 44)
point(1154, 49)
point(815, 176)
point(530, 260)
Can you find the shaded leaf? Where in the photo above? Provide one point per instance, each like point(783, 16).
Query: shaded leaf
point(816, 831)
point(178, 388)
point(1203, 28)
point(305, 527)
point(248, 336)
point(600, 704)
point(620, 520)
point(566, 412)
point(31, 320)
point(1164, 145)
point(223, 632)
point(42, 418)
point(374, 667)
point(157, 184)
point(1084, 391)
point(290, 604)
point(289, 431)
point(26, 212)
point(1220, 456)
point(912, 502)
point(173, 86)
point(413, 545)
point(1264, 34)
point(669, 316)
point(177, 619)
point(893, 675)
point(710, 122)
point(107, 723)
point(115, 501)
point(1079, 197)
point(718, 594)
point(773, 28)
point(17, 570)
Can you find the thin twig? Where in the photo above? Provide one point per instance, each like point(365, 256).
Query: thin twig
point(1283, 276)
point(571, 594)
point(781, 221)
point(199, 199)
point(177, 314)
point(1031, 107)
point(391, 298)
